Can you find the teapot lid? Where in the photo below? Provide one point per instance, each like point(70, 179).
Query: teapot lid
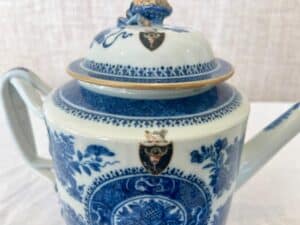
point(142, 53)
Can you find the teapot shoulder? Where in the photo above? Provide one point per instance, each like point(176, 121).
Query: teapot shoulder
point(76, 108)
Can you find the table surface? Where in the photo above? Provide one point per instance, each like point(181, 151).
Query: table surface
point(272, 197)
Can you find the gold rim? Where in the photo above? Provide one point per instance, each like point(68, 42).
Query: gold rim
point(150, 86)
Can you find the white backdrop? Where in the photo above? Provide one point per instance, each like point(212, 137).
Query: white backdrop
point(261, 38)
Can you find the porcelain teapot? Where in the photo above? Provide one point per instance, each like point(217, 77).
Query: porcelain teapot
point(147, 132)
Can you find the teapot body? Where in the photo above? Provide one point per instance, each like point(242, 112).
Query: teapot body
point(147, 134)
point(145, 161)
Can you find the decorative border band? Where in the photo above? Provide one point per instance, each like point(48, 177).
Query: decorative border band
point(142, 122)
point(129, 76)
point(163, 72)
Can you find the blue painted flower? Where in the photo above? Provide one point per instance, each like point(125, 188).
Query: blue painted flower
point(62, 151)
point(222, 160)
point(133, 196)
point(151, 212)
point(69, 162)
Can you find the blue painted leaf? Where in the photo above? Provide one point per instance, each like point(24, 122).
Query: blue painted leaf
point(75, 166)
point(87, 170)
point(98, 150)
point(196, 157)
point(98, 159)
point(95, 166)
point(79, 155)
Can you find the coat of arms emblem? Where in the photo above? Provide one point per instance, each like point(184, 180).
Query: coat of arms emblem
point(152, 40)
point(156, 152)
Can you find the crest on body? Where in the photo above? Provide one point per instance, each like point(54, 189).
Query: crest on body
point(156, 152)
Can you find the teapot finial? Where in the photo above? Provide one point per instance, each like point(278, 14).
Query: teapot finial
point(146, 12)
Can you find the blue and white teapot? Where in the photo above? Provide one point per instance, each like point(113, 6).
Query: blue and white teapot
point(147, 133)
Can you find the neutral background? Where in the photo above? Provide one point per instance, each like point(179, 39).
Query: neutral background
point(261, 38)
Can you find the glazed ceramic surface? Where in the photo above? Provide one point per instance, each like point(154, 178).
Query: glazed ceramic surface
point(147, 134)
point(142, 53)
point(136, 161)
point(122, 55)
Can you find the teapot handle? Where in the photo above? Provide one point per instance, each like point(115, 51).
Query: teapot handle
point(22, 91)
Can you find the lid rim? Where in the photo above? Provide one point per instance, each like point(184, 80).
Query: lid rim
point(150, 86)
point(161, 72)
point(223, 72)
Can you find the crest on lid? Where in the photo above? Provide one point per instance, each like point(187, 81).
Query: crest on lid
point(142, 53)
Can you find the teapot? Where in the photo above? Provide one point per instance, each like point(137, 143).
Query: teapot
point(148, 131)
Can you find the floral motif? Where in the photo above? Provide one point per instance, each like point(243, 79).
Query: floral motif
point(222, 160)
point(134, 197)
point(149, 211)
point(69, 162)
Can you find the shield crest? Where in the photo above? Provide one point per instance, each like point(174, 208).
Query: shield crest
point(156, 152)
point(152, 40)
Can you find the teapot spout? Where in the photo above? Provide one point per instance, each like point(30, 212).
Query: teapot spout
point(258, 151)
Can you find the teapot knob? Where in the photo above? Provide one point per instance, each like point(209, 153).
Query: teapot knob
point(146, 12)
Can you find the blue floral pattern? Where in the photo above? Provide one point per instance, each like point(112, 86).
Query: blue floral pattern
point(134, 197)
point(69, 162)
point(222, 160)
point(149, 211)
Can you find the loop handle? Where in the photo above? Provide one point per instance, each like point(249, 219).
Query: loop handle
point(22, 91)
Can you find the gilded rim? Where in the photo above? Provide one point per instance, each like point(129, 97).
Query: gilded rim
point(150, 86)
